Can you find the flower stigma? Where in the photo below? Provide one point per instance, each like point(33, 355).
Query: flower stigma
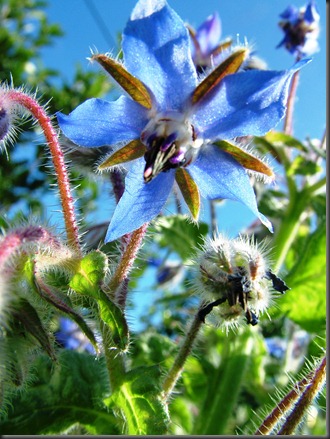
point(171, 143)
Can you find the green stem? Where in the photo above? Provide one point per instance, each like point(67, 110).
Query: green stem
point(288, 230)
point(290, 224)
point(218, 409)
point(185, 349)
point(114, 360)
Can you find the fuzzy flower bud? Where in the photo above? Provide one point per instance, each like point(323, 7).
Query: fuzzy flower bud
point(233, 279)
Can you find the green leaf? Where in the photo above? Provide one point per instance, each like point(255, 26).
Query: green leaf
point(133, 150)
point(225, 386)
point(62, 395)
point(228, 66)
point(180, 235)
point(90, 274)
point(115, 320)
point(302, 166)
point(132, 85)
point(279, 138)
point(138, 404)
point(275, 143)
point(305, 303)
point(88, 280)
point(189, 191)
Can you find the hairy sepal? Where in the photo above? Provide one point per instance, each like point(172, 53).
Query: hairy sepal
point(228, 66)
point(132, 85)
point(189, 190)
point(247, 160)
point(133, 150)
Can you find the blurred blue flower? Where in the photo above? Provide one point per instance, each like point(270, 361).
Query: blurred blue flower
point(179, 127)
point(301, 29)
point(71, 337)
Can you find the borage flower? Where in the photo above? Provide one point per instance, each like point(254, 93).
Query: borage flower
point(172, 124)
point(301, 29)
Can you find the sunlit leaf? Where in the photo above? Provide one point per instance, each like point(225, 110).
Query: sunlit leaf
point(115, 320)
point(90, 274)
point(133, 150)
point(189, 191)
point(228, 66)
point(132, 85)
point(305, 303)
point(302, 166)
point(138, 405)
point(281, 139)
point(87, 281)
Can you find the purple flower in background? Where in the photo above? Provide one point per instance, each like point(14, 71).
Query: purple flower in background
point(175, 127)
point(301, 29)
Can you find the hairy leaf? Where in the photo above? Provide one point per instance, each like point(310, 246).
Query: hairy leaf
point(138, 404)
point(62, 395)
point(305, 303)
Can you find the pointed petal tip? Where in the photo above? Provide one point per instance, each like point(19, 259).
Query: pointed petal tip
point(265, 221)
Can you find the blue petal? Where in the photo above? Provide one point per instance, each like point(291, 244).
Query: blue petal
point(97, 122)
point(246, 103)
point(218, 175)
point(156, 50)
point(140, 203)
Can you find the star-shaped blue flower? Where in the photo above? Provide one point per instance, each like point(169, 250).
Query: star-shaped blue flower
point(170, 119)
point(301, 29)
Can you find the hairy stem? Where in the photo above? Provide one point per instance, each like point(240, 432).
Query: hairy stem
point(125, 265)
point(287, 402)
point(39, 113)
point(114, 360)
point(185, 349)
point(314, 386)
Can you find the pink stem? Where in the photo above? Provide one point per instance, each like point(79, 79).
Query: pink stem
point(44, 121)
point(288, 121)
